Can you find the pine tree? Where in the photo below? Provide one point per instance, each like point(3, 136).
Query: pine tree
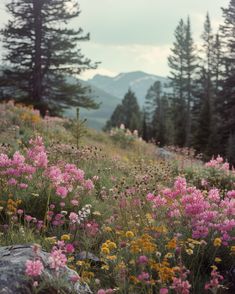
point(145, 130)
point(152, 98)
point(127, 113)
point(204, 105)
point(41, 52)
point(176, 61)
point(156, 114)
point(227, 97)
point(182, 62)
point(189, 71)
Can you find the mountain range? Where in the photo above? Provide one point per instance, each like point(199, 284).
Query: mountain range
point(109, 91)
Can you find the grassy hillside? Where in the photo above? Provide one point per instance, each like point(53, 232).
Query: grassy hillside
point(150, 224)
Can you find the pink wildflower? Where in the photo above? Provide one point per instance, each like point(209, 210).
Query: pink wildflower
point(34, 268)
point(163, 291)
point(142, 259)
point(69, 248)
point(57, 259)
point(62, 191)
point(73, 217)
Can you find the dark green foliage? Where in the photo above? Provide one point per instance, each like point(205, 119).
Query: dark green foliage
point(182, 63)
point(204, 102)
point(41, 51)
point(227, 95)
point(127, 113)
point(156, 115)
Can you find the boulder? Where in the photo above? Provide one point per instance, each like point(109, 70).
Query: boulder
point(164, 154)
point(14, 281)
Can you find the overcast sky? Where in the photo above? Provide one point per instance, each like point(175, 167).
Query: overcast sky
point(129, 35)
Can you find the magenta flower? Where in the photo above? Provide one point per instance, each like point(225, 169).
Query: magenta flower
point(34, 268)
point(143, 259)
point(69, 248)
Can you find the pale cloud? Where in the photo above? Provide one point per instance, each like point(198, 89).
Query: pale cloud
point(148, 58)
point(102, 71)
point(154, 54)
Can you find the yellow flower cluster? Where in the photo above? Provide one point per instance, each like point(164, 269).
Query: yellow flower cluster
point(107, 247)
point(171, 244)
point(144, 244)
point(12, 205)
point(165, 272)
point(129, 234)
point(30, 117)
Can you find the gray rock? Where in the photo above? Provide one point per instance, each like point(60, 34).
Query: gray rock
point(14, 281)
point(94, 260)
point(164, 154)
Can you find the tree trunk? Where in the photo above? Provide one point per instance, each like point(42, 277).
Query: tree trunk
point(37, 66)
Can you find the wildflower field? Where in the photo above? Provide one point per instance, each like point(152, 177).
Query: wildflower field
point(107, 206)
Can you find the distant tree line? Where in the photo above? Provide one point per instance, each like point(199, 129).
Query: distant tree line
point(41, 54)
point(200, 110)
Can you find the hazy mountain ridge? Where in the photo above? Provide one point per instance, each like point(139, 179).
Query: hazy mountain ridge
point(109, 91)
point(138, 81)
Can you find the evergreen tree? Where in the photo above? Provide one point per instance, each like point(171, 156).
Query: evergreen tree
point(127, 113)
point(159, 122)
point(152, 98)
point(204, 106)
point(156, 112)
point(145, 134)
point(42, 52)
point(227, 97)
point(189, 71)
point(176, 63)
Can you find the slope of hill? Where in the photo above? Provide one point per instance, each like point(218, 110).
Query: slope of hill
point(96, 118)
point(110, 90)
point(138, 81)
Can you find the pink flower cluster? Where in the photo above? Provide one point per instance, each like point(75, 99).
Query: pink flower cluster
point(181, 286)
point(218, 163)
point(19, 170)
point(202, 212)
point(15, 169)
point(34, 268)
point(215, 282)
point(67, 178)
point(38, 153)
point(107, 291)
point(57, 259)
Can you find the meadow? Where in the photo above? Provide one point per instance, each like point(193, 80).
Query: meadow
point(109, 207)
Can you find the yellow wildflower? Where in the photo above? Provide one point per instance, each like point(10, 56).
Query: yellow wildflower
point(189, 251)
point(129, 234)
point(107, 229)
point(232, 249)
point(105, 267)
point(112, 257)
point(105, 250)
point(217, 242)
point(218, 260)
point(112, 245)
point(169, 255)
point(65, 237)
point(171, 244)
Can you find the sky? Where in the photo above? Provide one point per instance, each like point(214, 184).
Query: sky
point(131, 35)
